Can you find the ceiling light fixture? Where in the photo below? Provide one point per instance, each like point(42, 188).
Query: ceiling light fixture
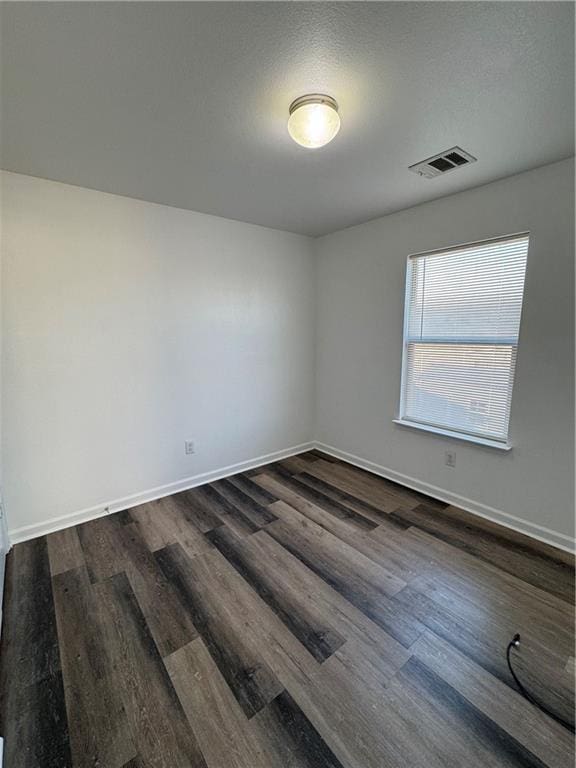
point(314, 120)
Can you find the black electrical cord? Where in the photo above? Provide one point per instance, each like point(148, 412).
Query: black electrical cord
point(514, 643)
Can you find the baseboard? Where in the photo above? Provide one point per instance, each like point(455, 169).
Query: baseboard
point(117, 505)
point(539, 532)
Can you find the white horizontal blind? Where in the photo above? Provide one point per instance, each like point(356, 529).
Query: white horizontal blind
point(463, 309)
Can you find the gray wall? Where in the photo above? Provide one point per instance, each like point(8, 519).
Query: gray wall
point(131, 327)
point(361, 273)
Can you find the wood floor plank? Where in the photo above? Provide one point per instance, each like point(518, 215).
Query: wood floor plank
point(331, 709)
point(325, 502)
point(485, 742)
point(370, 726)
point(64, 551)
point(30, 650)
point(260, 515)
point(317, 454)
point(279, 735)
point(289, 737)
point(224, 733)
point(505, 536)
point(308, 456)
point(293, 465)
point(513, 556)
point(252, 472)
point(511, 609)
point(124, 516)
point(163, 522)
point(260, 622)
point(365, 640)
point(542, 736)
point(170, 625)
point(252, 489)
point(155, 716)
point(411, 732)
point(363, 637)
point(484, 646)
point(468, 587)
point(432, 557)
point(99, 733)
point(155, 524)
point(100, 543)
point(361, 581)
point(390, 550)
point(195, 512)
point(405, 497)
point(360, 540)
point(328, 547)
point(347, 719)
point(348, 500)
point(251, 558)
point(34, 723)
point(251, 681)
point(385, 550)
point(365, 664)
point(368, 489)
point(36, 727)
point(227, 512)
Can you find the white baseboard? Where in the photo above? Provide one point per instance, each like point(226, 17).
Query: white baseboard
point(539, 532)
point(116, 505)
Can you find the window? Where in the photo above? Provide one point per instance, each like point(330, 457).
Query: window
point(462, 317)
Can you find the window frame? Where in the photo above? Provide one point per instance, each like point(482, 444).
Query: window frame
point(503, 444)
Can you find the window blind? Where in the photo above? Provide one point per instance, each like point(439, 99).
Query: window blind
point(462, 320)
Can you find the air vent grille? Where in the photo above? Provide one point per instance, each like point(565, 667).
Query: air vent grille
point(438, 165)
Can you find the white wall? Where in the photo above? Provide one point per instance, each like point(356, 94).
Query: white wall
point(130, 327)
point(4, 543)
point(361, 274)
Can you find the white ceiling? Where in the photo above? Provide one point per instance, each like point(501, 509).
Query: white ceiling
point(186, 103)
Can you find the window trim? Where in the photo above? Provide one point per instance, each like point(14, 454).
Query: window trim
point(503, 445)
point(467, 438)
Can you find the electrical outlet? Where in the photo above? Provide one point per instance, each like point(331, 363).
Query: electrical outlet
point(189, 447)
point(450, 458)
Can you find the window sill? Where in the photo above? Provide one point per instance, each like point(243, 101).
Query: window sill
point(486, 442)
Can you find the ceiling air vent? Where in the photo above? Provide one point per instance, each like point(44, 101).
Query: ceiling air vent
point(445, 162)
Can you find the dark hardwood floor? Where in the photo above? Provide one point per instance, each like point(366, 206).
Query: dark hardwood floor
point(306, 614)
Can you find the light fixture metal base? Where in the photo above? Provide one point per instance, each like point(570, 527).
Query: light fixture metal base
point(313, 98)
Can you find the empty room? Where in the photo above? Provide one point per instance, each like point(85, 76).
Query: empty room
point(287, 384)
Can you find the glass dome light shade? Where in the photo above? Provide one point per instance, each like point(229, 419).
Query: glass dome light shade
point(313, 121)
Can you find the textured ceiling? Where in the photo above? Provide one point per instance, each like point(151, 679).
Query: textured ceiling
point(186, 103)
